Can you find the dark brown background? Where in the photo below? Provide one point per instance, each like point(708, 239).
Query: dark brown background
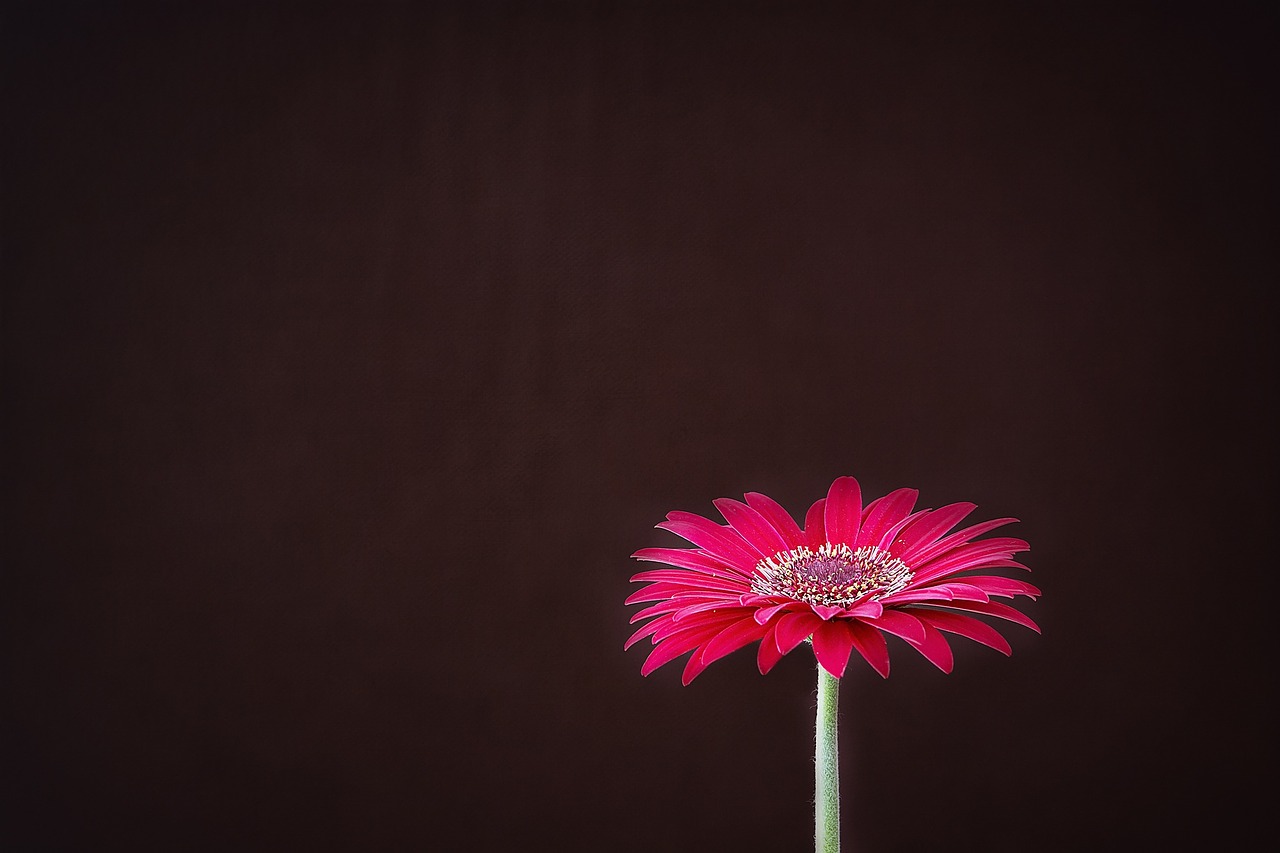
point(349, 351)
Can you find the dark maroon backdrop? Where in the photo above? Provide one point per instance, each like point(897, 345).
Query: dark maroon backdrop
point(350, 350)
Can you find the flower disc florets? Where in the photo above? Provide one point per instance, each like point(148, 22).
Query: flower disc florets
point(834, 575)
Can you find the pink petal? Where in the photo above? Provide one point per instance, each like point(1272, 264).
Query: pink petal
point(732, 638)
point(960, 537)
point(832, 642)
point(962, 591)
point(979, 547)
point(935, 648)
point(794, 628)
point(764, 614)
point(966, 626)
point(665, 606)
point(689, 558)
point(870, 644)
point(844, 510)
point(868, 508)
point(927, 528)
point(712, 606)
point(664, 653)
point(815, 529)
point(752, 526)
point(700, 628)
point(865, 610)
point(654, 592)
point(778, 517)
point(931, 594)
point(826, 611)
point(891, 535)
point(663, 590)
point(965, 557)
point(645, 630)
point(995, 608)
point(696, 580)
point(726, 544)
point(1005, 564)
point(694, 667)
point(901, 624)
point(768, 655)
point(995, 585)
point(884, 513)
point(673, 605)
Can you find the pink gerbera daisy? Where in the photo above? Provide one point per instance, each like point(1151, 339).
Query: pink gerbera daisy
point(850, 576)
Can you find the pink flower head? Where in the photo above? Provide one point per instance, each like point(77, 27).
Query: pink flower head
point(850, 576)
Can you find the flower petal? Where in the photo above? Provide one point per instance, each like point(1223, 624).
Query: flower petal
point(883, 513)
point(960, 537)
point(768, 654)
point(900, 623)
point(891, 535)
point(962, 591)
point(644, 631)
point(654, 592)
point(696, 607)
point(727, 544)
point(794, 628)
point(935, 649)
point(662, 589)
point(832, 642)
point(972, 555)
point(689, 558)
point(930, 594)
point(815, 528)
point(696, 630)
point(752, 526)
point(778, 517)
point(694, 666)
point(826, 611)
point(843, 511)
point(1008, 587)
point(868, 609)
point(732, 638)
point(926, 530)
point(668, 605)
point(664, 653)
point(696, 580)
point(967, 626)
point(1005, 564)
point(764, 614)
point(870, 644)
point(995, 608)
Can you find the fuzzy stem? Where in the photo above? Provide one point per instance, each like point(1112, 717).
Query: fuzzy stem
point(826, 804)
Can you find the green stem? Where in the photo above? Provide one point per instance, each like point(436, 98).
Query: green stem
point(826, 808)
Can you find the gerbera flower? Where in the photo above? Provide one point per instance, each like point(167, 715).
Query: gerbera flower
point(852, 575)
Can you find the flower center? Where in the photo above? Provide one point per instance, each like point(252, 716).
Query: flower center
point(834, 575)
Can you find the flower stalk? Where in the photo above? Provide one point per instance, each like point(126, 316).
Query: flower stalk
point(826, 804)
